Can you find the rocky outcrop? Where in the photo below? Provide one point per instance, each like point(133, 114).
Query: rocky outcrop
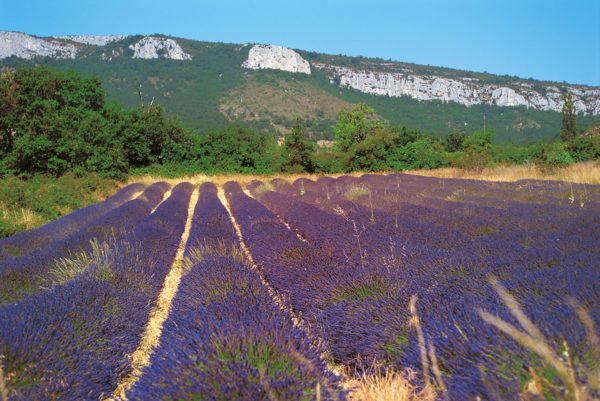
point(275, 58)
point(95, 40)
point(27, 46)
point(465, 91)
point(152, 47)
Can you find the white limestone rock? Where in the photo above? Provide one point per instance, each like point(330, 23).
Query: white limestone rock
point(276, 58)
point(27, 46)
point(464, 91)
point(95, 40)
point(152, 47)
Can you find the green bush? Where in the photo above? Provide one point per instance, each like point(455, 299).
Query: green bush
point(297, 151)
point(585, 148)
point(511, 154)
point(552, 154)
point(239, 150)
point(330, 161)
point(455, 142)
point(477, 152)
point(54, 122)
point(8, 228)
point(421, 154)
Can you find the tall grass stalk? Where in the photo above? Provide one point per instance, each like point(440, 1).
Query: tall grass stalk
point(3, 389)
point(434, 387)
point(578, 389)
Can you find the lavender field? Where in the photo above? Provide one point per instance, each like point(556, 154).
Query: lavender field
point(285, 290)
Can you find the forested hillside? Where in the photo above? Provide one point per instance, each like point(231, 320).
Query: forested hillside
point(211, 90)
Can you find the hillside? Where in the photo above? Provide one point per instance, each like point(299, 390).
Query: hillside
point(210, 85)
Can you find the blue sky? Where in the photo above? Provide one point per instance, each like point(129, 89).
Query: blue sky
point(551, 39)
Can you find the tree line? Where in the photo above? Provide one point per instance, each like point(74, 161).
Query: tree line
point(57, 122)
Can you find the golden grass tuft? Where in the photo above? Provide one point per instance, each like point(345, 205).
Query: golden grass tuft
point(220, 248)
point(388, 385)
point(3, 389)
point(26, 218)
point(356, 191)
point(583, 173)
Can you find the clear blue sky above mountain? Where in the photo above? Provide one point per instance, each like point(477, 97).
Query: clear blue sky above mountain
point(545, 39)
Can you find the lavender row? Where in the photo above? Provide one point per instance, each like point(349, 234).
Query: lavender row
point(28, 274)
point(225, 338)
point(293, 267)
point(75, 341)
point(473, 191)
point(528, 225)
point(211, 224)
point(450, 285)
point(29, 241)
point(309, 280)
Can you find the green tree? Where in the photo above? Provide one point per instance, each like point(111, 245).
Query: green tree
point(238, 149)
point(372, 154)
point(57, 122)
point(424, 153)
point(477, 151)
point(151, 137)
point(354, 125)
point(298, 151)
point(455, 142)
point(568, 130)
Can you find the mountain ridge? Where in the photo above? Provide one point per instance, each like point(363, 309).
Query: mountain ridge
point(402, 88)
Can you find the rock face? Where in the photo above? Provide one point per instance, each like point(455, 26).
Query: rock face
point(151, 47)
point(95, 40)
point(275, 58)
point(465, 91)
point(27, 46)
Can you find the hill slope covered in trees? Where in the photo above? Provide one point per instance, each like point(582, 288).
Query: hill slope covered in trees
point(205, 85)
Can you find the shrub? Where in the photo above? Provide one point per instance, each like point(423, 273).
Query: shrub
point(550, 155)
point(455, 142)
point(421, 154)
point(57, 122)
point(585, 148)
point(239, 150)
point(330, 161)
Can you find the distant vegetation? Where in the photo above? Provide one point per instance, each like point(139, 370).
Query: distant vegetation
point(55, 122)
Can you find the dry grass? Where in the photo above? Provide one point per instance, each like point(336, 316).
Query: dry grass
point(584, 173)
point(21, 217)
point(66, 269)
point(580, 383)
point(220, 179)
point(198, 252)
point(3, 389)
point(255, 100)
point(388, 385)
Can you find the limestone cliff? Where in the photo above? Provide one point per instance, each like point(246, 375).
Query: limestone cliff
point(26, 46)
point(94, 40)
point(151, 47)
point(467, 91)
point(276, 58)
